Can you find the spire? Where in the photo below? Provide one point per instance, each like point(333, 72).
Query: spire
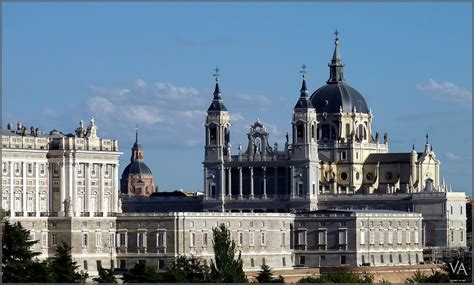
point(336, 67)
point(303, 102)
point(304, 89)
point(217, 103)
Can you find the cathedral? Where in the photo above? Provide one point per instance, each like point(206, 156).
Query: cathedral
point(332, 151)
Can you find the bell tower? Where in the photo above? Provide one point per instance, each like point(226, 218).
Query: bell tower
point(217, 146)
point(304, 152)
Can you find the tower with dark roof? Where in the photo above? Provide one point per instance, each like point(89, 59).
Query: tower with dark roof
point(137, 179)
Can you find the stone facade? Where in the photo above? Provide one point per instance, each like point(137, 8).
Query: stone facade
point(63, 187)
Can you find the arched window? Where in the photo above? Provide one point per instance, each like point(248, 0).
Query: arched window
point(299, 133)
point(325, 131)
point(227, 135)
point(361, 132)
point(212, 135)
point(312, 131)
point(348, 130)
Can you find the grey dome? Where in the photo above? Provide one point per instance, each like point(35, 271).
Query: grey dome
point(136, 168)
point(332, 96)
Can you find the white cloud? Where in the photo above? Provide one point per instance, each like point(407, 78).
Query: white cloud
point(445, 91)
point(142, 114)
point(235, 117)
point(100, 106)
point(169, 90)
point(452, 156)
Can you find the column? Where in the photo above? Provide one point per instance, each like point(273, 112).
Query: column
point(49, 167)
point(62, 190)
point(101, 189)
point(24, 189)
point(74, 206)
point(264, 170)
point(251, 183)
point(292, 188)
point(12, 196)
point(206, 187)
point(240, 183)
point(229, 183)
point(37, 196)
point(222, 182)
point(87, 174)
point(115, 189)
point(275, 187)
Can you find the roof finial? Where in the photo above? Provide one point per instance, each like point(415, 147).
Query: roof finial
point(413, 148)
point(336, 67)
point(217, 75)
point(427, 138)
point(303, 71)
point(136, 134)
point(337, 38)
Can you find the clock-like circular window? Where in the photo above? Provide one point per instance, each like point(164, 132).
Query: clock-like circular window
point(388, 175)
point(344, 176)
point(369, 176)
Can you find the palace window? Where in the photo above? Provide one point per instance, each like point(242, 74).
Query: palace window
point(204, 239)
point(41, 169)
point(192, 240)
point(29, 168)
point(4, 168)
point(241, 239)
point(408, 236)
point(54, 239)
point(85, 240)
point(415, 237)
point(141, 240)
point(44, 239)
point(302, 238)
point(343, 259)
point(390, 237)
point(342, 237)
point(212, 135)
point(112, 240)
point(160, 239)
point(263, 240)
point(252, 239)
point(283, 239)
point(372, 237)
point(98, 239)
point(399, 236)
point(362, 237)
point(322, 237)
point(299, 133)
point(381, 237)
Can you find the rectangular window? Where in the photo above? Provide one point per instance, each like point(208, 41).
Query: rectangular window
point(390, 237)
point(362, 237)
point(302, 238)
point(121, 240)
point(32, 236)
point(452, 235)
point(391, 258)
point(451, 210)
point(44, 239)
point(382, 259)
point(408, 236)
point(263, 240)
point(86, 267)
point(400, 258)
point(192, 240)
point(415, 237)
point(161, 264)
point(241, 239)
point(140, 240)
point(98, 239)
point(160, 239)
point(460, 210)
point(204, 240)
point(343, 155)
point(252, 262)
point(302, 260)
point(314, 189)
point(41, 168)
point(54, 239)
point(85, 240)
point(372, 237)
point(399, 236)
point(122, 264)
point(381, 237)
point(263, 261)
point(252, 239)
point(462, 236)
point(322, 237)
point(30, 168)
point(112, 240)
point(342, 238)
point(343, 259)
point(283, 261)
point(98, 264)
point(300, 189)
point(283, 239)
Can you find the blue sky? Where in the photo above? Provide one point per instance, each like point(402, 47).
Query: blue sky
point(151, 65)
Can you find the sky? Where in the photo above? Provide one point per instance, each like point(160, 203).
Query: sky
point(151, 64)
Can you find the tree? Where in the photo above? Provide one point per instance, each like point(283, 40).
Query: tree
point(339, 277)
point(226, 268)
point(187, 270)
point(64, 268)
point(141, 273)
point(105, 276)
point(266, 276)
point(19, 263)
